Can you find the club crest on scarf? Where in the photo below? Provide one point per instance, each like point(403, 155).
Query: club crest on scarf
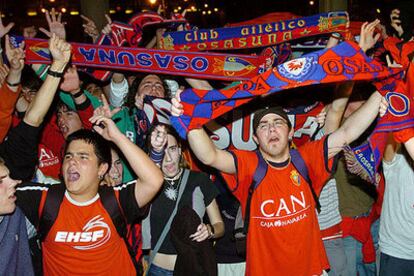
point(232, 66)
point(297, 69)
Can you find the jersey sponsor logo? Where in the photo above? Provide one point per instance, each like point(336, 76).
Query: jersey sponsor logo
point(283, 211)
point(295, 177)
point(96, 232)
point(47, 158)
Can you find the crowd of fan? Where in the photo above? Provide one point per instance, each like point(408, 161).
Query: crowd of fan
point(89, 184)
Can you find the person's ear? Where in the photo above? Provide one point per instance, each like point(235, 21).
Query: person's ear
point(102, 170)
point(291, 132)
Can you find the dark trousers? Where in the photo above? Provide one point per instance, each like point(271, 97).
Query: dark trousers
point(391, 266)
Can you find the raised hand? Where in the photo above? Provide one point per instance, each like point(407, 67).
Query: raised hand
point(5, 29)
point(177, 108)
point(396, 22)
point(90, 27)
point(105, 109)
point(59, 49)
point(56, 26)
point(15, 55)
point(105, 127)
point(107, 29)
point(321, 117)
point(367, 39)
point(383, 107)
point(159, 138)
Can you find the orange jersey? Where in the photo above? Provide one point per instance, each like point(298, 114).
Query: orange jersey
point(284, 236)
point(83, 240)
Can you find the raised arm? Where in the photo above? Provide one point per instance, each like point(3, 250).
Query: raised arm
point(149, 175)
point(357, 123)
point(118, 89)
point(89, 28)
point(37, 110)
point(56, 26)
point(336, 110)
point(203, 147)
point(16, 61)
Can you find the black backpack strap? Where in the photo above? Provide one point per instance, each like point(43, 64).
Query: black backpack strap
point(111, 205)
point(54, 198)
point(300, 165)
point(258, 176)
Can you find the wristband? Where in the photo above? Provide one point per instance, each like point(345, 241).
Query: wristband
point(12, 84)
point(55, 74)
point(78, 94)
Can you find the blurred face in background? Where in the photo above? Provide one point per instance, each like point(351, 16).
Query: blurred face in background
point(28, 94)
point(151, 85)
point(172, 157)
point(116, 170)
point(68, 121)
point(95, 90)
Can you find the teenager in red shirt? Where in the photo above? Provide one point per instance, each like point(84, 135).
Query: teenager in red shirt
point(283, 236)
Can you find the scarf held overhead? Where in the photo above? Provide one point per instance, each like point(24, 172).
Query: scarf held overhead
point(341, 63)
point(255, 36)
point(189, 64)
point(364, 160)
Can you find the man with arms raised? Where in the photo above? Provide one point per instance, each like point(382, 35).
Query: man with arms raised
point(283, 235)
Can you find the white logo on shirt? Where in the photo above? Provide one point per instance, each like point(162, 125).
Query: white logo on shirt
point(94, 238)
point(282, 212)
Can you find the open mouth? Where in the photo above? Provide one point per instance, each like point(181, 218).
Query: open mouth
point(274, 140)
point(73, 176)
point(63, 128)
point(170, 167)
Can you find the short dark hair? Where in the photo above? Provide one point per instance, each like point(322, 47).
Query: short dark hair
point(101, 147)
point(29, 79)
point(259, 114)
point(62, 105)
point(133, 89)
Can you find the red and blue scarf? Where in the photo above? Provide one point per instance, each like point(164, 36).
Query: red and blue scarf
point(341, 63)
point(190, 64)
point(257, 35)
point(399, 92)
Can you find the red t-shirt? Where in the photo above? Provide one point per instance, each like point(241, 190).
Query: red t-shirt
point(284, 236)
point(7, 105)
point(83, 240)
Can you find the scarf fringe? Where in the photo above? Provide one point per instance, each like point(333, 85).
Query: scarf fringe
point(354, 166)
